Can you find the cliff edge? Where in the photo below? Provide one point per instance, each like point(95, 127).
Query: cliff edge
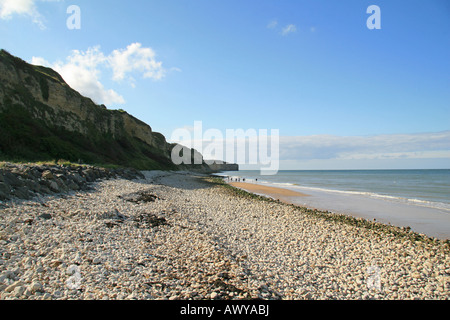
point(42, 118)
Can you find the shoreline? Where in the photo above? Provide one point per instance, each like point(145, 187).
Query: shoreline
point(428, 221)
point(181, 236)
point(273, 194)
point(284, 195)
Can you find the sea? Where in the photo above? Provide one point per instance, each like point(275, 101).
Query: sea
point(419, 199)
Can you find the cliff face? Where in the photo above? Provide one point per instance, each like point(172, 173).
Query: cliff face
point(22, 83)
point(42, 118)
point(216, 167)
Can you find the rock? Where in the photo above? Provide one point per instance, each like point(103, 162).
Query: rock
point(39, 270)
point(54, 186)
point(89, 174)
point(25, 182)
point(8, 274)
point(48, 175)
point(61, 185)
point(12, 180)
point(36, 287)
point(55, 263)
point(77, 178)
point(307, 296)
point(5, 188)
point(45, 216)
point(13, 286)
point(77, 260)
point(132, 296)
point(33, 185)
point(198, 254)
point(444, 279)
point(27, 262)
point(22, 193)
point(3, 196)
point(73, 186)
point(214, 295)
point(19, 291)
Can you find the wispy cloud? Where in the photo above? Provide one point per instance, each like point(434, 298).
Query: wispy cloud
point(28, 8)
point(272, 24)
point(288, 29)
point(82, 70)
point(322, 151)
point(400, 146)
point(291, 28)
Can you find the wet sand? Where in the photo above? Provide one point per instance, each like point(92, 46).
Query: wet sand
point(281, 194)
point(430, 221)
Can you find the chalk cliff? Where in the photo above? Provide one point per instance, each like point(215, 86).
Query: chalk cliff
point(42, 118)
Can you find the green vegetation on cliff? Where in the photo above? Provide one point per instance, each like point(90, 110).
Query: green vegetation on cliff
point(25, 138)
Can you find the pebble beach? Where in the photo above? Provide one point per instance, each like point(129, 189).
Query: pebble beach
point(181, 236)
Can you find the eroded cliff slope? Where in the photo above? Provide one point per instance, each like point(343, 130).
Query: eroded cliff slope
point(42, 118)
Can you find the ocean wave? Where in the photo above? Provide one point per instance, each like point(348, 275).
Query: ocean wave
point(287, 184)
point(296, 187)
point(411, 201)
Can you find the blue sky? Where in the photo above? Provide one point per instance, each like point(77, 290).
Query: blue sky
point(311, 69)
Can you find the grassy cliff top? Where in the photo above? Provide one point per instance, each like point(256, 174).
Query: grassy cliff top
point(18, 63)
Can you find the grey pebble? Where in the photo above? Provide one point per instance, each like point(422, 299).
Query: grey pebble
point(98, 244)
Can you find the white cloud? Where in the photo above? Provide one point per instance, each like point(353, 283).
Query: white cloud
point(272, 24)
point(135, 58)
point(82, 70)
point(421, 150)
point(9, 8)
point(400, 146)
point(288, 29)
point(38, 61)
point(21, 7)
